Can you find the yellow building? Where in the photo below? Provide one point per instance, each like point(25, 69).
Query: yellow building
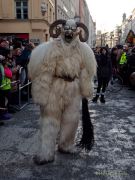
point(26, 19)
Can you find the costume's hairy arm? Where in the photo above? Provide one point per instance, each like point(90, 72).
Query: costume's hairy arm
point(41, 69)
point(88, 71)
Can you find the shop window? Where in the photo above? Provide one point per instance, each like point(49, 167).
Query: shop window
point(21, 9)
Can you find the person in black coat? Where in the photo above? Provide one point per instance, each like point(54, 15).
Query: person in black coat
point(104, 72)
point(131, 64)
point(114, 54)
point(4, 49)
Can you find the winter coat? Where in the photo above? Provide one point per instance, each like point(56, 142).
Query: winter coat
point(23, 59)
point(104, 69)
point(4, 51)
point(131, 63)
point(114, 60)
point(6, 80)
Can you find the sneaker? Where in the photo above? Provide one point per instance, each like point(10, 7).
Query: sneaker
point(1, 123)
point(5, 116)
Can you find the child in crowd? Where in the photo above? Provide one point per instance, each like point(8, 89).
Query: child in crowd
point(5, 89)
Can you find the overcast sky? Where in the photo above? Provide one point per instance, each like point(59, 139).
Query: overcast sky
point(108, 13)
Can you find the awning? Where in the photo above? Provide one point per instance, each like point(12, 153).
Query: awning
point(22, 36)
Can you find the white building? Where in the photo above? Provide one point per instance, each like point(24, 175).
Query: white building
point(128, 25)
point(92, 32)
point(88, 21)
point(70, 8)
point(98, 38)
point(67, 8)
point(133, 20)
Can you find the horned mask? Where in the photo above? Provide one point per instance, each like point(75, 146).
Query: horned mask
point(69, 30)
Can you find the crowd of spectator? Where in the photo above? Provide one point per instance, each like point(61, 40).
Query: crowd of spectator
point(122, 58)
point(14, 58)
point(119, 59)
point(104, 72)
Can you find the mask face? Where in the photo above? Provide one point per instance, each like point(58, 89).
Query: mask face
point(69, 31)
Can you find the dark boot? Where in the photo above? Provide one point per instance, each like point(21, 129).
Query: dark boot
point(1, 123)
point(102, 99)
point(95, 98)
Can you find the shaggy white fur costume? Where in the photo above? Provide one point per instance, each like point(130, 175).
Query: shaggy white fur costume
point(59, 100)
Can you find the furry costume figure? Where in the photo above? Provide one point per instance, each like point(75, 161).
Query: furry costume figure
point(61, 71)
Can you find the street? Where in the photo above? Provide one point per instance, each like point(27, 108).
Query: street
point(112, 157)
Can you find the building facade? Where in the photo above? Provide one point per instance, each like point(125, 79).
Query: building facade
point(92, 32)
point(122, 34)
point(67, 9)
point(98, 38)
point(128, 25)
point(26, 19)
point(86, 18)
point(29, 20)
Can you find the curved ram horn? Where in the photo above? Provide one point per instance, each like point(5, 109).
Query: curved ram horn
point(81, 25)
point(54, 26)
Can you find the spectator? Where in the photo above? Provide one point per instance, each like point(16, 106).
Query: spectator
point(1, 68)
point(119, 52)
point(104, 72)
point(17, 44)
point(1, 77)
point(16, 60)
point(97, 53)
point(23, 56)
point(123, 64)
point(114, 52)
point(5, 89)
point(4, 48)
point(131, 63)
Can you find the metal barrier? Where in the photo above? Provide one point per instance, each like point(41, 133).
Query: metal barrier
point(21, 83)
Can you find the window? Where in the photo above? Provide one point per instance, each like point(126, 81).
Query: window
point(50, 14)
point(53, 16)
point(21, 9)
point(46, 37)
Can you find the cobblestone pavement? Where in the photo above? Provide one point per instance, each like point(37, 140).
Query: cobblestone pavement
point(112, 157)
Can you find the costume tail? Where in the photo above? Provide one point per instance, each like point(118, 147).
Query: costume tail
point(87, 139)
